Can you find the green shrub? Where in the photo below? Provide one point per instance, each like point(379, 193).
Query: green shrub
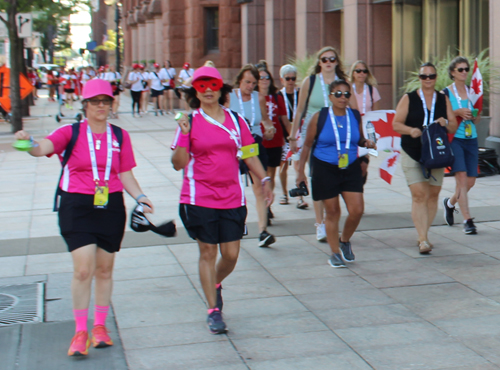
point(304, 65)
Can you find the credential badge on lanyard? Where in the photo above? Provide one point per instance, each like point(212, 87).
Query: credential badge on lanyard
point(242, 108)
point(101, 193)
point(288, 105)
point(233, 137)
point(343, 157)
point(468, 125)
point(365, 88)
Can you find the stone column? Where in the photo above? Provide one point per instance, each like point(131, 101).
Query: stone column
point(309, 26)
point(150, 40)
point(158, 46)
point(252, 32)
point(493, 141)
point(135, 44)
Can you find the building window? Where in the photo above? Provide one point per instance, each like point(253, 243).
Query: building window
point(212, 29)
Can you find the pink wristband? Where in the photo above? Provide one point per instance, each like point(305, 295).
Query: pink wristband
point(183, 141)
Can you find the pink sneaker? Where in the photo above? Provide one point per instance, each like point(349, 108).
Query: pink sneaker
point(100, 337)
point(79, 344)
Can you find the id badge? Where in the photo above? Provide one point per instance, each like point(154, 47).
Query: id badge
point(249, 151)
point(101, 197)
point(343, 161)
point(468, 130)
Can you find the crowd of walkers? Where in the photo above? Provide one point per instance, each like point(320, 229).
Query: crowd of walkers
point(255, 129)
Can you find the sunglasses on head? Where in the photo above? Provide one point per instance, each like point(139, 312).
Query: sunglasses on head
point(328, 59)
point(365, 71)
point(99, 101)
point(265, 77)
point(466, 69)
point(290, 78)
point(203, 84)
point(338, 94)
point(428, 77)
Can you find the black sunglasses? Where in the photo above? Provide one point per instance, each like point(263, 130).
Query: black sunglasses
point(428, 77)
point(467, 69)
point(338, 94)
point(290, 78)
point(365, 71)
point(328, 59)
point(265, 77)
point(99, 101)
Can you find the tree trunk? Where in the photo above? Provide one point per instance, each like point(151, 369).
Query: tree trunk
point(15, 68)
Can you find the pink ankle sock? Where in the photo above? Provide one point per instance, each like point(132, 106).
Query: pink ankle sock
point(100, 313)
point(217, 286)
point(212, 310)
point(81, 319)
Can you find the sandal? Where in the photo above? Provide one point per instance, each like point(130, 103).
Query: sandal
point(424, 247)
point(284, 199)
point(302, 205)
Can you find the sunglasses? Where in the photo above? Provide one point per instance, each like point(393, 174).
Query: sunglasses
point(290, 78)
point(202, 85)
point(339, 94)
point(99, 101)
point(328, 59)
point(467, 69)
point(365, 71)
point(428, 77)
point(265, 77)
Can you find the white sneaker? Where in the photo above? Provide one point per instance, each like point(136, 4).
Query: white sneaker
point(320, 232)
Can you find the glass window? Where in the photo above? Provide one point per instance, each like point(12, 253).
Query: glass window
point(212, 28)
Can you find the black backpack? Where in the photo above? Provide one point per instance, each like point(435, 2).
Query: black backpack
point(436, 149)
point(67, 153)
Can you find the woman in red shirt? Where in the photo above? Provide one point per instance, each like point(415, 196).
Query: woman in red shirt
point(276, 112)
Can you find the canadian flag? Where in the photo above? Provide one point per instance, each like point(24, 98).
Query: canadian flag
point(476, 91)
point(388, 167)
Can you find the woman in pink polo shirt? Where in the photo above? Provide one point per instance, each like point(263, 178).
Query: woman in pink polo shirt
point(208, 146)
point(92, 213)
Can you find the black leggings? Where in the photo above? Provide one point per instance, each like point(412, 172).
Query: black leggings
point(136, 98)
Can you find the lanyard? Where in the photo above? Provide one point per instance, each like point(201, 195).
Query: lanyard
point(424, 104)
point(325, 93)
point(243, 108)
point(365, 87)
point(333, 119)
point(288, 105)
point(459, 99)
point(270, 108)
point(218, 124)
point(109, 159)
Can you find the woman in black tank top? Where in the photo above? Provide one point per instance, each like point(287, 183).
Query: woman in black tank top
point(415, 108)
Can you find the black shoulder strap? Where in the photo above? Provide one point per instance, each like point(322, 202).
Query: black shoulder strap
point(357, 115)
point(75, 130)
point(323, 114)
point(156, 75)
point(118, 133)
point(370, 87)
point(312, 79)
point(446, 91)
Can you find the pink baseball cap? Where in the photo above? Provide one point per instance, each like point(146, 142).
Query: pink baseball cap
point(206, 72)
point(97, 87)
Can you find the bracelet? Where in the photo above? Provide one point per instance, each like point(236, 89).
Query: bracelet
point(139, 197)
point(291, 138)
point(264, 180)
point(183, 141)
point(32, 142)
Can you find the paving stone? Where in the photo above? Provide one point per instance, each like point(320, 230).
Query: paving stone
point(355, 298)
point(433, 292)
point(346, 361)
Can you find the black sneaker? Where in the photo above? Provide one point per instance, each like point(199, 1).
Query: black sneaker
point(336, 260)
point(215, 323)
point(448, 212)
point(220, 303)
point(266, 239)
point(346, 251)
point(469, 227)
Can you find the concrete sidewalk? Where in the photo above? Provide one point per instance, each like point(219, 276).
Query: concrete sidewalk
point(285, 307)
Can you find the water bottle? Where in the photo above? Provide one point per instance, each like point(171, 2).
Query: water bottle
point(370, 132)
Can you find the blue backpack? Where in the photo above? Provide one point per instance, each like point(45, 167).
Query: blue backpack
point(436, 149)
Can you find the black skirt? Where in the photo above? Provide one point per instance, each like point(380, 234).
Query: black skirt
point(81, 224)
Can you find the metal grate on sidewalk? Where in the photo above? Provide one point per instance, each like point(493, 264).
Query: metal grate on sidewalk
point(21, 304)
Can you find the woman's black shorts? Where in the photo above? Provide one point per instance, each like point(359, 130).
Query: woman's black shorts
point(156, 93)
point(274, 156)
point(328, 181)
point(214, 226)
point(69, 91)
point(81, 224)
point(263, 157)
point(166, 88)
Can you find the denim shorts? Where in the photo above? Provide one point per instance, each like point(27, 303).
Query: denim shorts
point(466, 156)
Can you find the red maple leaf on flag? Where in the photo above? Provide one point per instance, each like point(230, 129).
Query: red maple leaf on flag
point(476, 86)
point(392, 161)
point(384, 128)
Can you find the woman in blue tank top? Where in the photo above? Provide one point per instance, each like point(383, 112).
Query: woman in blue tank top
point(333, 135)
